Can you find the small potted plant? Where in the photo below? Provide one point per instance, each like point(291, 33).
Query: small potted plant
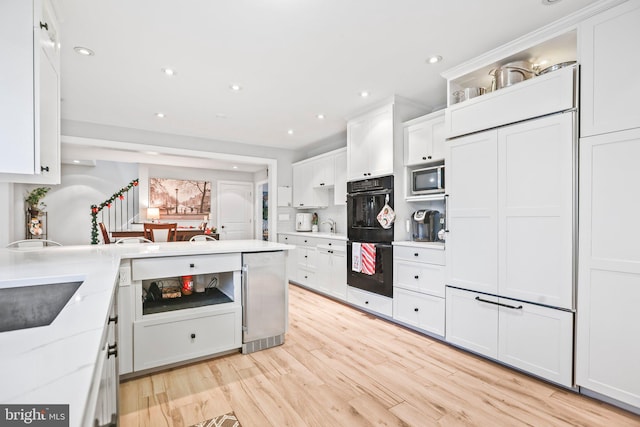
point(34, 200)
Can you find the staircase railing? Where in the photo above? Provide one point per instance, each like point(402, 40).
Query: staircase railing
point(119, 212)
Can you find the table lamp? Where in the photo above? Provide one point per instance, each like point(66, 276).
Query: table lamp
point(153, 214)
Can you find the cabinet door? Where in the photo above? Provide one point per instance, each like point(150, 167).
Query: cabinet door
point(357, 150)
point(380, 142)
point(338, 284)
point(472, 241)
point(340, 179)
point(609, 93)
point(537, 339)
point(323, 276)
point(535, 210)
point(301, 185)
point(425, 312)
point(323, 172)
point(424, 141)
point(608, 319)
point(16, 84)
point(472, 321)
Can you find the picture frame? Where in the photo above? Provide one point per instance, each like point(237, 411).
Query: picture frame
point(180, 199)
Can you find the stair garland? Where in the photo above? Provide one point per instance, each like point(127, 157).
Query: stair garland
point(95, 209)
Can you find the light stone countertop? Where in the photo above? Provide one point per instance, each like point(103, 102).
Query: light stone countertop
point(55, 364)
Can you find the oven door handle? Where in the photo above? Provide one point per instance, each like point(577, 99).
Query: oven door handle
point(370, 193)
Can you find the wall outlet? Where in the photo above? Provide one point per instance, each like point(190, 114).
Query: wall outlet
point(125, 275)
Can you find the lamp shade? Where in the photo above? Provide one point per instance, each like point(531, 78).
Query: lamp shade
point(153, 213)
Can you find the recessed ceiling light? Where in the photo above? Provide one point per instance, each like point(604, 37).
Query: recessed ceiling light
point(76, 161)
point(290, 131)
point(550, 2)
point(235, 87)
point(153, 153)
point(320, 116)
point(364, 94)
point(160, 115)
point(434, 59)
point(85, 51)
point(234, 167)
point(169, 71)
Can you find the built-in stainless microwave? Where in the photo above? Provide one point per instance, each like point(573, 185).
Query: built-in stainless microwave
point(427, 180)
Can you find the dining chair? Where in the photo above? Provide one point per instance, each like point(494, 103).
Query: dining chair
point(132, 240)
point(33, 243)
point(202, 238)
point(160, 232)
point(105, 233)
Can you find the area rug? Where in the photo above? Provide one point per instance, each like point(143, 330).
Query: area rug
point(226, 420)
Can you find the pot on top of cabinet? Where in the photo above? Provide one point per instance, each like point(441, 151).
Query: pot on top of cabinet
point(511, 73)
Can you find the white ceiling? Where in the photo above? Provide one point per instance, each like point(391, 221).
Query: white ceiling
point(293, 58)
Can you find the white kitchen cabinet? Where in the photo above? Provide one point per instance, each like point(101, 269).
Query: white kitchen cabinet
point(370, 144)
point(30, 123)
point(424, 139)
point(422, 311)
point(608, 319)
point(369, 301)
point(419, 287)
point(472, 212)
point(332, 269)
point(292, 256)
point(609, 88)
point(323, 172)
point(530, 337)
point(510, 211)
point(304, 193)
point(340, 178)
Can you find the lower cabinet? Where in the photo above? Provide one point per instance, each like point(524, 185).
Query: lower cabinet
point(530, 337)
point(170, 338)
point(375, 303)
point(422, 311)
point(332, 270)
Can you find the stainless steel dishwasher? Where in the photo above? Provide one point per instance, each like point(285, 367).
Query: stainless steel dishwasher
point(264, 300)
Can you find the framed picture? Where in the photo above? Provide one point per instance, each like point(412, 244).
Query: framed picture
point(179, 199)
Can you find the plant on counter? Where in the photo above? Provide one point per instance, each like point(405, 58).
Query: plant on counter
point(34, 200)
point(118, 195)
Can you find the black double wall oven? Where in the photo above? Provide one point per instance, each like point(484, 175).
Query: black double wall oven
point(365, 199)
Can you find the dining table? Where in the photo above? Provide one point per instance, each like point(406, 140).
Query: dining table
point(182, 234)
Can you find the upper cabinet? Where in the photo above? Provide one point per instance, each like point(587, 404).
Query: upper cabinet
point(610, 87)
point(372, 138)
point(30, 122)
point(313, 177)
point(370, 144)
point(424, 139)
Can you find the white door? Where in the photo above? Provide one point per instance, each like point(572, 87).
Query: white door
point(472, 221)
point(535, 208)
point(235, 210)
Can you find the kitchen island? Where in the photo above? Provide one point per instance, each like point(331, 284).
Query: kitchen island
point(61, 363)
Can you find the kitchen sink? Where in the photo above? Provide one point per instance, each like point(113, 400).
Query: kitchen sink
point(35, 305)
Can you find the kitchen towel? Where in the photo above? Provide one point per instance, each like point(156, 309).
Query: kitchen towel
point(356, 257)
point(368, 258)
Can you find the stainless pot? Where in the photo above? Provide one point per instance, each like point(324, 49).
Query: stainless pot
point(467, 93)
point(511, 73)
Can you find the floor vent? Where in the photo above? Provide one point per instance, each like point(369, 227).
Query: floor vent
point(263, 343)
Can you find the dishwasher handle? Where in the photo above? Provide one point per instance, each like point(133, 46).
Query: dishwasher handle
point(243, 289)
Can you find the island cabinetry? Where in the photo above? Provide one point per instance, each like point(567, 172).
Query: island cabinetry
point(31, 121)
point(419, 288)
point(424, 139)
point(172, 324)
point(609, 94)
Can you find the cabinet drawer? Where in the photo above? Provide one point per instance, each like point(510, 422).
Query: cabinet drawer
point(425, 312)
point(470, 323)
point(421, 277)
point(533, 98)
point(169, 339)
point(371, 302)
point(307, 257)
point(307, 277)
point(429, 255)
point(154, 268)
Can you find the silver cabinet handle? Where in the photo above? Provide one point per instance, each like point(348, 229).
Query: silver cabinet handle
point(500, 304)
point(446, 213)
point(243, 289)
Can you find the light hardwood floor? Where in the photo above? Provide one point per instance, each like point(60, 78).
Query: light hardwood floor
point(342, 367)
